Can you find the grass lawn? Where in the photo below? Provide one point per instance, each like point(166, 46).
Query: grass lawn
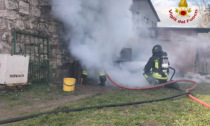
point(181, 111)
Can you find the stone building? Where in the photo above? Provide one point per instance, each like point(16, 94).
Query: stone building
point(27, 27)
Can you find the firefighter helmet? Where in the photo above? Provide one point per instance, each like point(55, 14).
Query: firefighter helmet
point(157, 48)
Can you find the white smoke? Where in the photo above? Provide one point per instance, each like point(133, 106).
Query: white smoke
point(99, 30)
point(182, 53)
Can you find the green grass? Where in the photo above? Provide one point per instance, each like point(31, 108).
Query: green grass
point(32, 94)
point(181, 111)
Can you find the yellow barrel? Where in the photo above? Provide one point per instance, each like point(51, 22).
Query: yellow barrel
point(69, 84)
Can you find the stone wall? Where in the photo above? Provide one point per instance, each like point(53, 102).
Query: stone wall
point(34, 16)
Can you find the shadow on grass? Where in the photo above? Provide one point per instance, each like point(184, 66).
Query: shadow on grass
point(201, 88)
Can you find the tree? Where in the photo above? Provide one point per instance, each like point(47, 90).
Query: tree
point(204, 11)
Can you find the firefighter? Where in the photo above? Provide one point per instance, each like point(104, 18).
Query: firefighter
point(84, 76)
point(102, 77)
point(156, 70)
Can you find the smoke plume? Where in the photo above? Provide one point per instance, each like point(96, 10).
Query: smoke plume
point(99, 30)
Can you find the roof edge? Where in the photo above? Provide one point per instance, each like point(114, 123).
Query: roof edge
point(154, 11)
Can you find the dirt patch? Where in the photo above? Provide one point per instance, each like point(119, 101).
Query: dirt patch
point(38, 106)
point(150, 123)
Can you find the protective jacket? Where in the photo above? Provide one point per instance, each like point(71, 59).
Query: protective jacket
point(157, 66)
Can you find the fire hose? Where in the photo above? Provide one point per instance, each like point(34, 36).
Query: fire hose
point(116, 105)
point(170, 82)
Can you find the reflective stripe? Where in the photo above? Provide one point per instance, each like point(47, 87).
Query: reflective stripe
point(146, 76)
point(158, 76)
point(156, 64)
point(101, 74)
point(84, 73)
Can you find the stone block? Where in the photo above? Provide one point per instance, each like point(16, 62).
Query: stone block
point(11, 4)
point(59, 57)
point(7, 36)
point(31, 23)
point(10, 25)
point(2, 23)
point(9, 14)
point(52, 28)
point(53, 64)
point(19, 25)
point(23, 7)
point(42, 27)
point(35, 11)
point(59, 63)
point(33, 2)
point(53, 42)
point(2, 5)
point(71, 60)
point(44, 2)
point(45, 11)
point(55, 36)
point(5, 47)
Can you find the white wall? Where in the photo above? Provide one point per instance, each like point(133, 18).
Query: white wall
point(140, 10)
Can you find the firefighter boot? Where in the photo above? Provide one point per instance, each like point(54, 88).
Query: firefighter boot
point(84, 79)
point(174, 86)
point(102, 80)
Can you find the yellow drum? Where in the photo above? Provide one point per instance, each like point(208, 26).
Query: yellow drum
point(69, 84)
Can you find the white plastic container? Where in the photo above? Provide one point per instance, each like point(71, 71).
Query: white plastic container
point(13, 69)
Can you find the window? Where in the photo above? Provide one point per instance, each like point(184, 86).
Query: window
point(146, 20)
point(154, 24)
